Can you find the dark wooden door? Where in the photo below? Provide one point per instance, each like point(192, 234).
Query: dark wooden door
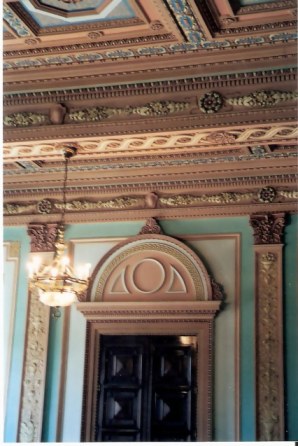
point(146, 389)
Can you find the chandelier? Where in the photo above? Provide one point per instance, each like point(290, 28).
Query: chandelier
point(57, 284)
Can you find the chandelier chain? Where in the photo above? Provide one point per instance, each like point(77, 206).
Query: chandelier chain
point(64, 192)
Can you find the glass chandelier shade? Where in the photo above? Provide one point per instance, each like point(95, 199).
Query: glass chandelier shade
point(57, 284)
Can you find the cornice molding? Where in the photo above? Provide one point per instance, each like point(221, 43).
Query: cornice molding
point(148, 185)
point(210, 102)
point(211, 82)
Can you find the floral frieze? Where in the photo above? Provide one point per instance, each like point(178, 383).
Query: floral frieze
point(156, 108)
point(59, 115)
point(25, 119)
point(212, 101)
point(263, 98)
point(151, 201)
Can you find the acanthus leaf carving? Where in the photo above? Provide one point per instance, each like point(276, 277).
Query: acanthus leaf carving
point(43, 236)
point(268, 228)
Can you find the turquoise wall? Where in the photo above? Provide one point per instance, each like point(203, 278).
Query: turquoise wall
point(171, 227)
point(291, 328)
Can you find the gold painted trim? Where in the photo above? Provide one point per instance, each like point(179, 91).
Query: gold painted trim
point(269, 343)
point(34, 371)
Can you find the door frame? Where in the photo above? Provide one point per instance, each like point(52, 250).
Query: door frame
point(148, 318)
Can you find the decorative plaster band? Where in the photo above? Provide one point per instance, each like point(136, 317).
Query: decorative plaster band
point(47, 206)
point(206, 138)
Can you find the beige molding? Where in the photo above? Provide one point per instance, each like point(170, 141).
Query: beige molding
point(261, 134)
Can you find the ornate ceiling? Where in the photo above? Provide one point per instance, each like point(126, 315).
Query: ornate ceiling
point(177, 108)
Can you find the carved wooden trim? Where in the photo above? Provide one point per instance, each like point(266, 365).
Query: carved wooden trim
point(43, 236)
point(34, 372)
point(269, 343)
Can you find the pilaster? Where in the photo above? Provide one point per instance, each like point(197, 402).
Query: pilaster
point(268, 231)
point(36, 345)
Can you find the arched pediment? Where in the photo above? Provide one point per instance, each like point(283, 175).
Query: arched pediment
point(150, 268)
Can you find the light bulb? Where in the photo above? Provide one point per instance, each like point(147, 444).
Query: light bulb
point(36, 261)
point(30, 269)
point(87, 270)
point(54, 272)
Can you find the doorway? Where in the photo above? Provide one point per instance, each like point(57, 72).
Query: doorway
point(146, 388)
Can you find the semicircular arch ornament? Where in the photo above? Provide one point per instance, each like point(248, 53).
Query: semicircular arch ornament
point(150, 268)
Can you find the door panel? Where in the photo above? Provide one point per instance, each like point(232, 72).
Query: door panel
point(146, 389)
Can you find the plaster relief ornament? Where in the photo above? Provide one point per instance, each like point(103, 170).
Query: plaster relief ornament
point(211, 102)
point(267, 194)
point(263, 98)
point(99, 113)
point(44, 206)
point(24, 119)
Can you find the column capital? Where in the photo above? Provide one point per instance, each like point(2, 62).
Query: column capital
point(43, 236)
point(268, 228)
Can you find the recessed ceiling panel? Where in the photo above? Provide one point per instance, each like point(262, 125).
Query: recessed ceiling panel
point(49, 13)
